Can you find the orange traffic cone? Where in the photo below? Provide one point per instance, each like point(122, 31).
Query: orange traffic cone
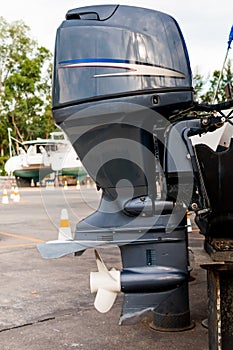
point(78, 185)
point(17, 196)
point(12, 195)
point(5, 199)
point(88, 182)
point(64, 233)
point(49, 185)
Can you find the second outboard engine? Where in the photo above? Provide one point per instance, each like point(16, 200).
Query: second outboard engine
point(120, 72)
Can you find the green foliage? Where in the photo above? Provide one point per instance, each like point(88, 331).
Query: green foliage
point(25, 85)
point(205, 87)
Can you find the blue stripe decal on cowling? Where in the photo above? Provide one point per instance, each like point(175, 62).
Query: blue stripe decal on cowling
point(98, 60)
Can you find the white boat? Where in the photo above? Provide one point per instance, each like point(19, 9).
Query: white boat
point(41, 157)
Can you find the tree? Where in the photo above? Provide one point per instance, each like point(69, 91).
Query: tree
point(25, 85)
point(205, 87)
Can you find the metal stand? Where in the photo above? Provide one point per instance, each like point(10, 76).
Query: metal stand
point(220, 306)
point(220, 298)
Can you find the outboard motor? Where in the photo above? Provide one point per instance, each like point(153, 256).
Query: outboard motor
point(120, 73)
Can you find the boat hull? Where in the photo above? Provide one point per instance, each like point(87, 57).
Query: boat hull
point(35, 174)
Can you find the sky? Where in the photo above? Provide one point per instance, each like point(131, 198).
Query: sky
point(205, 24)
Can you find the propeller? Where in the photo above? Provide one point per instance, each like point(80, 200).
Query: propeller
point(142, 279)
point(107, 283)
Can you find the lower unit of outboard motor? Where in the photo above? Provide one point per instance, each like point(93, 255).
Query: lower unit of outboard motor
point(119, 73)
point(167, 297)
point(155, 265)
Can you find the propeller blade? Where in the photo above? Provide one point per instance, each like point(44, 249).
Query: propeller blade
point(104, 300)
point(100, 264)
point(106, 283)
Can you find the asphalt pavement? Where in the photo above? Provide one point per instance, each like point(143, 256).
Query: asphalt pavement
point(46, 304)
